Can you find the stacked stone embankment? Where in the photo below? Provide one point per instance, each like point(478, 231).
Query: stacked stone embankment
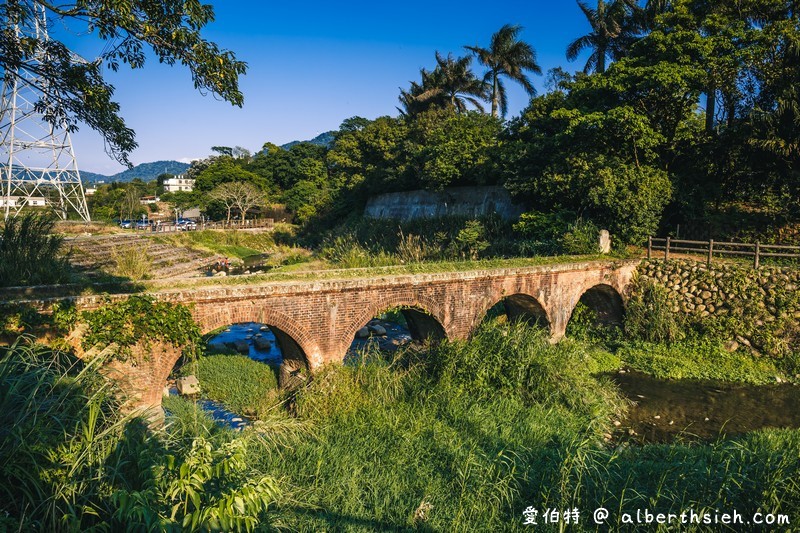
point(758, 307)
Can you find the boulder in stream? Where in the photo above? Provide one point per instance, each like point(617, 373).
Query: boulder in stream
point(188, 385)
point(262, 344)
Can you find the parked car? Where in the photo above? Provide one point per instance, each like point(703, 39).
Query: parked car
point(142, 224)
point(125, 224)
point(186, 224)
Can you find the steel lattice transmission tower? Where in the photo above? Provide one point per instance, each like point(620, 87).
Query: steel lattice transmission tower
point(37, 162)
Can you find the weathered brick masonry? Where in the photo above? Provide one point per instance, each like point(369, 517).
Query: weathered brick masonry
point(315, 322)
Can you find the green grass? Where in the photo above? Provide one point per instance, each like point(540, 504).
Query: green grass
point(462, 436)
point(449, 436)
point(465, 436)
point(243, 385)
point(323, 271)
point(697, 358)
point(238, 244)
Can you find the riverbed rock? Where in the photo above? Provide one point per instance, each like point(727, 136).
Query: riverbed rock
point(377, 329)
point(730, 346)
point(262, 344)
point(241, 346)
point(188, 385)
point(220, 274)
point(362, 333)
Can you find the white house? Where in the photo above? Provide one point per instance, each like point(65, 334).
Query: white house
point(18, 201)
point(178, 183)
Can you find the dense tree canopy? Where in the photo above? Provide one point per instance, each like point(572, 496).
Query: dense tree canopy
point(74, 89)
point(687, 108)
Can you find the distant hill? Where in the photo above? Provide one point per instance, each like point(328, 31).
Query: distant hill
point(143, 171)
point(323, 139)
point(91, 177)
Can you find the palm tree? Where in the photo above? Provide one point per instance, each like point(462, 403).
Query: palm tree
point(506, 57)
point(451, 84)
point(613, 30)
point(652, 9)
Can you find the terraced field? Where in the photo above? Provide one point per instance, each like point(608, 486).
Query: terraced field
point(95, 255)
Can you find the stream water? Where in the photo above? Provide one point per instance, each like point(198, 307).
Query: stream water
point(664, 410)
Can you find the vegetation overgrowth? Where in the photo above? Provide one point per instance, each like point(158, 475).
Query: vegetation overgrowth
point(684, 116)
point(245, 386)
point(30, 253)
point(468, 435)
point(461, 435)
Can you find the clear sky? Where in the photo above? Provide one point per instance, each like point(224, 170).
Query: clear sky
point(311, 65)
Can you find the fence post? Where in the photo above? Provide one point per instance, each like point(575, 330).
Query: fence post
point(649, 248)
point(666, 250)
point(758, 251)
point(710, 251)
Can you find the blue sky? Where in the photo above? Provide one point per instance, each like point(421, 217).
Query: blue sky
point(310, 67)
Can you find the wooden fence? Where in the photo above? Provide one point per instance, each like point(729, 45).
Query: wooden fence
point(710, 249)
point(166, 227)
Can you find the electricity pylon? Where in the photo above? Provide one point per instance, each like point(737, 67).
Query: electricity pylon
point(37, 162)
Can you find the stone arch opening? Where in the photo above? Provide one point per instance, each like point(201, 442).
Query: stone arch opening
point(393, 327)
point(605, 304)
point(265, 342)
point(521, 308)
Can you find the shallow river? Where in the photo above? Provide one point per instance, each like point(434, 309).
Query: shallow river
point(666, 410)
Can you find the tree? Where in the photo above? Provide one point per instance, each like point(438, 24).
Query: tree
point(449, 148)
point(612, 32)
point(450, 85)
point(241, 195)
point(130, 204)
point(221, 170)
point(75, 91)
point(506, 57)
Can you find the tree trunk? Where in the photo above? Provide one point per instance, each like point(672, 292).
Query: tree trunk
point(229, 216)
point(494, 95)
point(711, 109)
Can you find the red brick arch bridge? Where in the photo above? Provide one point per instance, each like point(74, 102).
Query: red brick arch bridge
point(315, 321)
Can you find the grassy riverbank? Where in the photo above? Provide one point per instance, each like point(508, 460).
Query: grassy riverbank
point(466, 436)
point(460, 436)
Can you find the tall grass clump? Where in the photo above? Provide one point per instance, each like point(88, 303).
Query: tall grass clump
point(650, 314)
point(59, 428)
point(131, 262)
point(70, 461)
point(438, 439)
point(30, 253)
point(245, 386)
point(518, 359)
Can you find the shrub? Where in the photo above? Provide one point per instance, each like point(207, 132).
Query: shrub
point(140, 318)
point(131, 262)
point(210, 488)
point(557, 232)
point(471, 240)
point(650, 315)
point(30, 254)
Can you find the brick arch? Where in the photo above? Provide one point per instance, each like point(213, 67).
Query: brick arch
point(605, 298)
point(421, 302)
point(520, 305)
point(241, 312)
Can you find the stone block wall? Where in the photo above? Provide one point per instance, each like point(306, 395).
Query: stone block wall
point(760, 307)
